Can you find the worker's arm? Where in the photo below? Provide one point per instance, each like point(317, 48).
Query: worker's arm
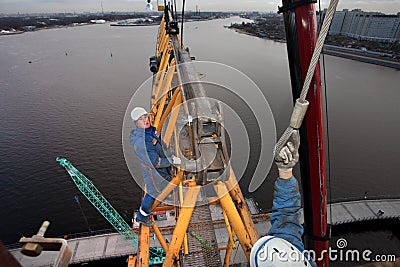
point(140, 146)
point(156, 156)
point(159, 155)
point(285, 217)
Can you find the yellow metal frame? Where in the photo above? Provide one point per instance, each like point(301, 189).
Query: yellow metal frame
point(228, 254)
point(144, 246)
point(132, 261)
point(228, 206)
point(181, 225)
point(166, 103)
point(229, 229)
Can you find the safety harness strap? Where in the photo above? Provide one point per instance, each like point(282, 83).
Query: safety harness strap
point(151, 175)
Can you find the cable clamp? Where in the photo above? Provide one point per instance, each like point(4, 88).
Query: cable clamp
point(299, 111)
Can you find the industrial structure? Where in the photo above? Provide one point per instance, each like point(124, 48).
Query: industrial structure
point(191, 125)
point(372, 26)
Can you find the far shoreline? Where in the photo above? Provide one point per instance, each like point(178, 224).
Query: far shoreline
point(343, 52)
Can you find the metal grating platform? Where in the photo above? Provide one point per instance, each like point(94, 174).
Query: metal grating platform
point(202, 242)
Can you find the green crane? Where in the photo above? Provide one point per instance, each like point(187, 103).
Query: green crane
point(100, 202)
point(88, 189)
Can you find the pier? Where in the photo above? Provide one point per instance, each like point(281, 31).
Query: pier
point(362, 56)
point(363, 210)
point(112, 245)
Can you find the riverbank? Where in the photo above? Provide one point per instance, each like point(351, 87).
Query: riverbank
point(362, 56)
point(3, 32)
point(32, 22)
point(277, 38)
point(381, 59)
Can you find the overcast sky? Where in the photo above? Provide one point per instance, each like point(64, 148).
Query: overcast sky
point(38, 6)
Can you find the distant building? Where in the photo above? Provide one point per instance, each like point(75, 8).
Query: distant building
point(337, 23)
point(365, 25)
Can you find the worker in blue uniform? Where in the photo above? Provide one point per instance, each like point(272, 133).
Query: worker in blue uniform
point(155, 160)
point(283, 245)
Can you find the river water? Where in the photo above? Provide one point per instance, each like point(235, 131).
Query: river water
point(63, 92)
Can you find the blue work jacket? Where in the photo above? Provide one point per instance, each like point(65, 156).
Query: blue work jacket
point(155, 159)
point(285, 217)
point(286, 212)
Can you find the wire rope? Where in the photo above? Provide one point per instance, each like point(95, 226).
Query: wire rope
point(328, 153)
point(311, 69)
point(183, 16)
point(83, 213)
point(175, 10)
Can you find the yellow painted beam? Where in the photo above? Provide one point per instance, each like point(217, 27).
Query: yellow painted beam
point(160, 8)
point(162, 77)
point(236, 194)
point(159, 81)
point(228, 228)
point(160, 237)
point(144, 246)
point(228, 254)
point(159, 76)
point(166, 86)
point(165, 50)
point(172, 120)
point(163, 41)
point(163, 208)
point(234, 218)
point(181, 225)
point(160, 47)
point(212, 200)
point(132, 261)
point(162, 25)
point(161, 35)
point(165, 57)
point(185, 241)
point(153, 99)
point(169, 108)
point(161, 107)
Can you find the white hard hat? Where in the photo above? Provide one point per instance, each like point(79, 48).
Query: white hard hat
point(271, 251)
point(137, 113)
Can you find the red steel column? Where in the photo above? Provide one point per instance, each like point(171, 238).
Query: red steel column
point(301, 24)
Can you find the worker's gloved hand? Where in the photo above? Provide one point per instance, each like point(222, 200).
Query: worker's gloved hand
point(176, 160)
point(288, 157)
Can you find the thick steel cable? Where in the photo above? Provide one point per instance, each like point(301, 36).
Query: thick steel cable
point(318, 48)
point(328, 153)
point(183, 17)
point(311, 69)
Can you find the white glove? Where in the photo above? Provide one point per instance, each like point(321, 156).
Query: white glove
point(176, 160)
point(289, 154)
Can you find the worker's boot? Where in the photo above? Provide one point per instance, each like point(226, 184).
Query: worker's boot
point(145, 220)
